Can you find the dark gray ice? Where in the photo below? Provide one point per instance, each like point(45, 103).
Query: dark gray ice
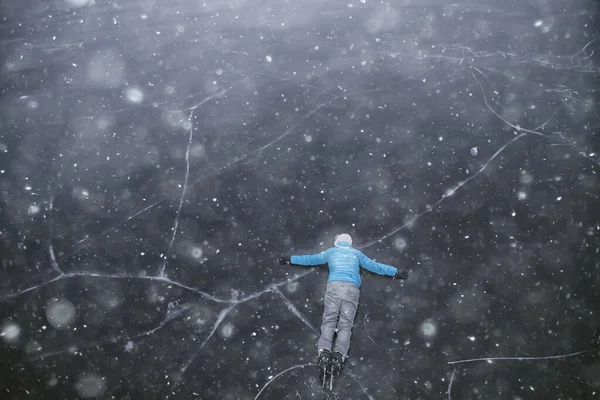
point(157, 158)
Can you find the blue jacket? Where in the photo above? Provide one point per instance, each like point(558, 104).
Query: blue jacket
point(344, 263)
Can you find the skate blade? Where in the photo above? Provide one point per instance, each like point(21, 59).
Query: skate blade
point(333, 374)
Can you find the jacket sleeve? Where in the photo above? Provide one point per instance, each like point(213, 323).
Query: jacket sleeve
point(310, 259)
point(378, 268)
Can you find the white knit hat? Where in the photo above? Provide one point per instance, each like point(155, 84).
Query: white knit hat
point(344, 237)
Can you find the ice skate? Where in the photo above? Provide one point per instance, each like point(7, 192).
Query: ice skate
point(336, 366)
point(324, 361)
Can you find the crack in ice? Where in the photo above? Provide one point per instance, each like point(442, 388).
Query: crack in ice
point(490, 359)
point(170, 315)
point(185, 185)
point(294, 310)
point(583, 49)
point(520, 358)
point(280, 374)
point(450, 384)
point(113, 276)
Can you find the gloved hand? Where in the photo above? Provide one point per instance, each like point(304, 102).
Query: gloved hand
point(401, 274)
point(284, 261)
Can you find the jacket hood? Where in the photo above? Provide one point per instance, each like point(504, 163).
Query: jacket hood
point(343, 240)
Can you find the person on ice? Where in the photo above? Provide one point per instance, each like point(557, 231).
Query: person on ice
point(341, 296)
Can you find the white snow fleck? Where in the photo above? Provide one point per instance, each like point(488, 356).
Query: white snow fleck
point(292, 287)
point(60, 313)
point(52, 381)
point(10, 332)
point(428, 329)
point(269, 58)
point(134, 95)
point(196, 252)
point(77, 3)
point(526, 178)
point(81, 193)
point(400, 244)
point(33, 209)
point(227, 330)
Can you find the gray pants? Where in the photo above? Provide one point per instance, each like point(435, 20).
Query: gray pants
point(341, 303)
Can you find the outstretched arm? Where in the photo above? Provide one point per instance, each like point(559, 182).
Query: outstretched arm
point(378, 268)
point(310, 259)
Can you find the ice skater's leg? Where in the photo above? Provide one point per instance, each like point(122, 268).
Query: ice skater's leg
point(330, 316)
point(348, 308)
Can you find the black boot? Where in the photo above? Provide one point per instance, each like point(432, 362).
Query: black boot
point(324, 361)
point(337, 364)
